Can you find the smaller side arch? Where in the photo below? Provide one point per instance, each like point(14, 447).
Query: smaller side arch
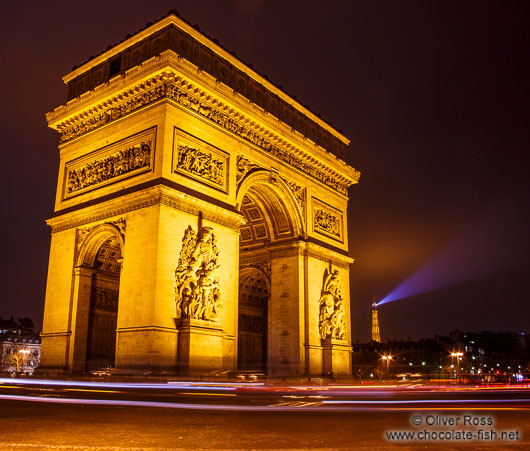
point(96, 237)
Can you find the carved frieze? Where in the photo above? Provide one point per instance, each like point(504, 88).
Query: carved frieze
point(327, 220)
point(111, 163)
point(198, 294)
point(200, 164)
point(331, 321)
point(197, 104)
point(200, 161)
point(243, 167)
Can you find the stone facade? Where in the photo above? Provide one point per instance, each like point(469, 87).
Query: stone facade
point(177, 197)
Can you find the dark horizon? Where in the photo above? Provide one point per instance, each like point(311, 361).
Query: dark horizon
point(434, 97)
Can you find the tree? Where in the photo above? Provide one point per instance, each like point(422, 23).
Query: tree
point(26, 323)
point(19, 357)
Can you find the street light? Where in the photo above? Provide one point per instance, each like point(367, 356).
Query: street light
point(458, 355)
point(387, 359)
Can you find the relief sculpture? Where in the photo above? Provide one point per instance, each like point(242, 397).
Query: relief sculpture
point(331, 318)
point(109, 167)
point(198, 293)
point(327, 222)
point(104, 299)
point(200, 164)
point(179, 95)
point(243, 167)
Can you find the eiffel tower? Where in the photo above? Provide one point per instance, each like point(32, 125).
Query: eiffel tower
point(376, 336)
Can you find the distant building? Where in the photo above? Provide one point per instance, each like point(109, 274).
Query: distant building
point(493, 356)
point(19, 347)
point(403, 359)
point(469, 357)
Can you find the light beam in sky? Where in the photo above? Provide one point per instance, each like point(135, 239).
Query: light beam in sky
point(484, 249)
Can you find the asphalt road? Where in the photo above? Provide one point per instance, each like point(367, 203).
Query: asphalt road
point(298, 419)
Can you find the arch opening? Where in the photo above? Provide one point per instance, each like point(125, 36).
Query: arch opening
point(254, 295)
point(102, 259)
point(271, 220)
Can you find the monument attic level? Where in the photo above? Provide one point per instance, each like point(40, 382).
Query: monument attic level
point(200, 218)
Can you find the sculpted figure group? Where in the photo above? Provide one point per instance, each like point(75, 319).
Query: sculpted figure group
point(200, 164)
point(331, 317)
point(171, 91)
point(119, 163)
point(198, 294)
point(327, 222)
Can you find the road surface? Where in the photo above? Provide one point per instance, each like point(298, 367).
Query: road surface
point(256, 417)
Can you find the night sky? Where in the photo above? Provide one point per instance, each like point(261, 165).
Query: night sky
point(433, 95)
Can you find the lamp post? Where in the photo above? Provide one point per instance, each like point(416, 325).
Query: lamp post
point(387, 358)
point(458, 355)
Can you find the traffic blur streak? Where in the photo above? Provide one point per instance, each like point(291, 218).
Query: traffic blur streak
point(262, 397)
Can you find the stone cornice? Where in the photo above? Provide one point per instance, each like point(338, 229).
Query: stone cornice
point(167, 85)
point(55, 334)
point(327, 255)
point(199, 37)
point(158, 195)
point(309, 249)
point(147, 329)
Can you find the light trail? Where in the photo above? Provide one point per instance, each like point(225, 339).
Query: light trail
point(209, 394)
point(168, 405)
point(147, 385)
point(325, 405)
point(424, 401)
point(233, 387)
point(92, 390)
point(460, 408)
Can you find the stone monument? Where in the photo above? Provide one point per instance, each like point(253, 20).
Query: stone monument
point(200, 218)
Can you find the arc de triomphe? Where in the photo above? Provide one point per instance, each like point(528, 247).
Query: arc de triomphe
point(200, 218)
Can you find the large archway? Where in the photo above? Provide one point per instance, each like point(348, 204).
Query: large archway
point(273, 219)
point(254, 297)
point(104, 294)
point(100, 267)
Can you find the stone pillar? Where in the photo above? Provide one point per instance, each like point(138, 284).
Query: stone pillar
point(79, 319)
point(323, 355)
point(336, 357)
point(200, 347)
point(146, 341)
point(56, 331)
point(286, 312)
